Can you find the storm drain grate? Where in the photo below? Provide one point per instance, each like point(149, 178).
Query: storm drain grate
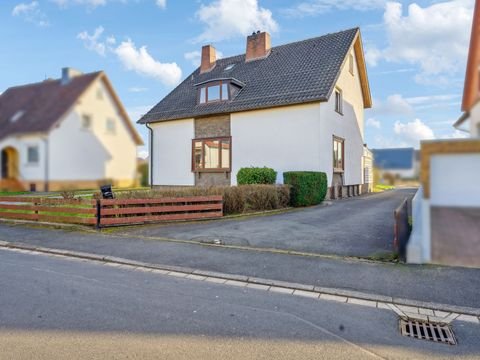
point(440, 333)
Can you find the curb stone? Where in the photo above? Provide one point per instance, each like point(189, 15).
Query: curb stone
point(217, 277)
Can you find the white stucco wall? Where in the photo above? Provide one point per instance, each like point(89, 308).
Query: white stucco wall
point(172, 152)
point(453, 180)
point(475, 120)
point(285, 139)
point(27, 171)
point(77, 153)
point(349, 126)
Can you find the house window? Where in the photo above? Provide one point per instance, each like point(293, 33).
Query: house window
point(214, 92)
point(350, 63)
point(338, 101)
point(211, 154)
point(86, 121)
point(338, 155)
point(110, 126)
point(33, 155)
point(99, 94)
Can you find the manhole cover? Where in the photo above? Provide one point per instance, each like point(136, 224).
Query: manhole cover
point(440, 333)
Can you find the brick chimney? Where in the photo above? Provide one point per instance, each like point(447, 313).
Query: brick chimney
point(209, 58)
point(68, 74)
point(258, 46)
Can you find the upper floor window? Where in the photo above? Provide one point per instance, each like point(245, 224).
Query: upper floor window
point(99, 94)
point(217, 91)
point(110, 126)
point(86, 121)
point(33, 155)
point(338, 101)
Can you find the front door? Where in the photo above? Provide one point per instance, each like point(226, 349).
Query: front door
point(5, 173)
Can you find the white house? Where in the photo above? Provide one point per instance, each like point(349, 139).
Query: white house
point(298, 106)
point(446, 209)
point(68, 133)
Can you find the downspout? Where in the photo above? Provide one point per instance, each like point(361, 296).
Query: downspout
point(47, 164)
point(150, 154)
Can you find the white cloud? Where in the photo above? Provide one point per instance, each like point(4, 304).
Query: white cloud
point(140, 61)
point(162, 4)
point(93, 43)
point(89, 3)
point(31, 12)
point(225, 19)
point(142, 153)
point(435, 37)
point(372, 122)
point(136, 89)
point(315, 7)
point(413, 132)
point(395, 104)
point(195, 56)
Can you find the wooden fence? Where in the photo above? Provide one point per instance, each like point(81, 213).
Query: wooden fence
point(114, 212)
point(402, 229)
point(75, 211)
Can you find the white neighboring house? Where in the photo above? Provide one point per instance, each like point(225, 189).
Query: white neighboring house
point(298, 106)
point(446, 209)
point(70, 133)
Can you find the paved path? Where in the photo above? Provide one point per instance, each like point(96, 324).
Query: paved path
point(57, 309)
point(448, 285)
point(360, 226)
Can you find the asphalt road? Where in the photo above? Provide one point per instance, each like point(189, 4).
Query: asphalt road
point(55, 308)
point(358, 226)
point(439, 284)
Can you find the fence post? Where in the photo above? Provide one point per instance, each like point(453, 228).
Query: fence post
point(98, 213)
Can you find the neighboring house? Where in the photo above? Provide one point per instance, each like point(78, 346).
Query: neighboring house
point(446, 209)
point(400, 163)
point(298, 106)
point(470, 120)
point(69, 133)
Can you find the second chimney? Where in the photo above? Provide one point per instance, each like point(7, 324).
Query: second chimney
point(258, 46)
point(209, 58)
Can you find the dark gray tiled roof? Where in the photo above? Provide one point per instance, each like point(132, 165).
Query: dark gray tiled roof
point(398, 159)
point(294, 73)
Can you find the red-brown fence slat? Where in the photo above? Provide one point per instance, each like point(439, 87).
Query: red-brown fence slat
point(18, 216)
point(67, 219)
point(160, 209)
point(170, 217)
point(194, 199)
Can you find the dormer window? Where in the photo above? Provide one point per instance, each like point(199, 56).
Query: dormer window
point(213, 92)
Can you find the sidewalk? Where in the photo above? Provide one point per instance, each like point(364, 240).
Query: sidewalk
point(447, 285)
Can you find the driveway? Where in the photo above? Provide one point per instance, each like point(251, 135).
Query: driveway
point(360, 226)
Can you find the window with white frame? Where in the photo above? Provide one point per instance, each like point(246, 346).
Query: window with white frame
point(110, 126)
point(338, 101)
point(86, 121)
point(33, 155)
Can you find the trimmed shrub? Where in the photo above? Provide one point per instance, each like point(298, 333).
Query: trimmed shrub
point(256, 175)
point(236, 199)
point(307, 187)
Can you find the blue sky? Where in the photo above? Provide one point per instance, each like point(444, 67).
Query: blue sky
point(416, 52)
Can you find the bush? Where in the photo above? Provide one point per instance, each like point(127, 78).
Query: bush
point(143, 170)
point(307, 187)
point(236, 199)
point(256, 175)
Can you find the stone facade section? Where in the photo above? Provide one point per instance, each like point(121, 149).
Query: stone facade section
point(208, 127)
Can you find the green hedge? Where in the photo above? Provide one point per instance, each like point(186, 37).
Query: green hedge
point(256, 175)
point(307, 187)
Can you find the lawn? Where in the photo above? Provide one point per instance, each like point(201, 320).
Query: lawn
point(382, 187)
